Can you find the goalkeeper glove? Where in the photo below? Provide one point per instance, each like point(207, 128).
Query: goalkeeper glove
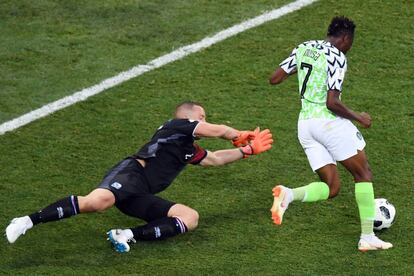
point(261, 142)
point(243, 138)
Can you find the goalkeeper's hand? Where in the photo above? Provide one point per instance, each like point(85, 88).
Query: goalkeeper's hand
point(261, 142)
point(243, 139)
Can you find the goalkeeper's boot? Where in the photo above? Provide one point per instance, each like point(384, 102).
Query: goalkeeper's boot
point(18, 227)
point(282, 197)
point(119, 240)
point(372, 242)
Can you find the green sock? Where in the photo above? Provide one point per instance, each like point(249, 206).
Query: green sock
point(364, 194)
point(312, 192)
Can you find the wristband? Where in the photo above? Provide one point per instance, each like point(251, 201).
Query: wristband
point(246, 151)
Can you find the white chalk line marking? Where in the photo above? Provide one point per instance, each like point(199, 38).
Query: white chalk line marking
point(153, 64)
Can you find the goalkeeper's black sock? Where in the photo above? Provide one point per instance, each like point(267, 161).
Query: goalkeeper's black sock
point(159, 229)
point(64, 208)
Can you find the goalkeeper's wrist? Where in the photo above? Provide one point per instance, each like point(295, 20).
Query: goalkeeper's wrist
point(246, 150)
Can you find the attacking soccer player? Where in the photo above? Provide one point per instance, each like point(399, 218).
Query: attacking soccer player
point(131, 185)
point(325, 130)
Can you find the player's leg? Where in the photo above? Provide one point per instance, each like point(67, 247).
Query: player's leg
point(347, 145)
point(188, 216)
point(358, 166)
point(97, 200)
point(100, 199)
point(329, 175)
point(179, 219)
point(321, 162)
point(165, 219)
point(315, 191)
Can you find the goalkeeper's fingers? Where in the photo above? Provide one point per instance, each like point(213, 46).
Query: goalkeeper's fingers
point(266, 137)
point(257, 149)
point(263, 143)
point(265, 133)
point(265, 148)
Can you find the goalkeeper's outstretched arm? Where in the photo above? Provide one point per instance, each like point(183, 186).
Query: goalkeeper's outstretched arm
point(261, 141)
point(221, 157)
point(205, 129)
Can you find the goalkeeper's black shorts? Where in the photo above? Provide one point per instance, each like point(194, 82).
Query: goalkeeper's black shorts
point(126, 180)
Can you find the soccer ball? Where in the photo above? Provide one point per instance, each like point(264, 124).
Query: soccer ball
point(384, 214)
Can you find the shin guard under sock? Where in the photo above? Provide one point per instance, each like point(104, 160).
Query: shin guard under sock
point(159, 229)
point(312, 192)
point(64, 208)
point(364, 195)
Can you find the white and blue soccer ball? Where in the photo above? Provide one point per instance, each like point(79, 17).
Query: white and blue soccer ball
point(384, 214)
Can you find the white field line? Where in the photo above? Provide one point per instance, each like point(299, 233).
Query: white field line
point(153, 64)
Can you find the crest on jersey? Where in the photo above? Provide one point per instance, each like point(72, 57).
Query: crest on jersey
point(116, 185)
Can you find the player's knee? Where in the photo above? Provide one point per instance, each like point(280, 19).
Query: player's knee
point(191, 219)
point(95, 204)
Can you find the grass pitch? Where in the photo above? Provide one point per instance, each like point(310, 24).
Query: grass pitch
point(51, 49)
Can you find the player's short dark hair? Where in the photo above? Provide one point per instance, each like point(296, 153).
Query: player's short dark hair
point(341, 25)
point(187, 104)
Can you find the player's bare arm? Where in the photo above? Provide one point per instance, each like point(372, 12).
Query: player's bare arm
point(279, 76)
point(205, 129)
point(261, 141)
point(221, 157)
point(334, 104)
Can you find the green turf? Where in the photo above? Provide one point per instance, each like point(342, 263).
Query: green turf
point(69, 151)
point(53, 48)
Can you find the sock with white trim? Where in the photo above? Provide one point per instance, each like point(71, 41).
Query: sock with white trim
point(364, 195)
point(312, 192)
point(63, 208)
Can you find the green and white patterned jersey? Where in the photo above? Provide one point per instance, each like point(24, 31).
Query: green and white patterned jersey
point(321, 67)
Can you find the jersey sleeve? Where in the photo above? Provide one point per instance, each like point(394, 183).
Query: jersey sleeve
point(199, 155)
point(337, 66)
point(289, 64)
point(184, 126)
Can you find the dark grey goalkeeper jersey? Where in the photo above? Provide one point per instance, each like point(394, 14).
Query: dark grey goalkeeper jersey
point(171, 148)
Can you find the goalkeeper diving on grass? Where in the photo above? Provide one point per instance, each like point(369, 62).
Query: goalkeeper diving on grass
point(325, 128)
point(132, 184)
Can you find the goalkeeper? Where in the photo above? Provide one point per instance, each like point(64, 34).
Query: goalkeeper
point(131, 185)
